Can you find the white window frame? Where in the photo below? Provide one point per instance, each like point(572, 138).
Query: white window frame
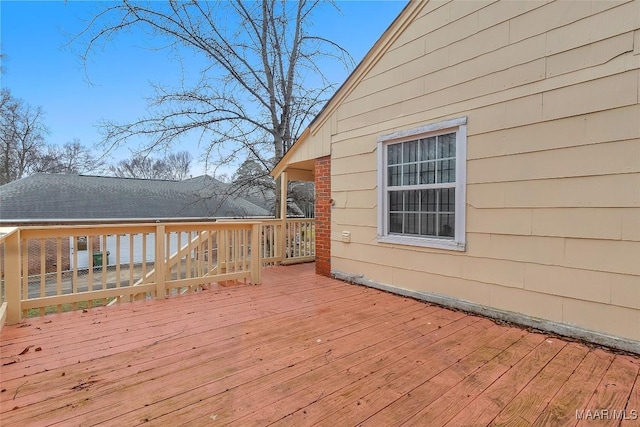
point(457, 126)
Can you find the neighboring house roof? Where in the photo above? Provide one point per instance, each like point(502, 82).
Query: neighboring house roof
point(266, 199)
point(59, 197)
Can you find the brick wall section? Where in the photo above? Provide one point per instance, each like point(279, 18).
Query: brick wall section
point(323, 215)
point(50, 253)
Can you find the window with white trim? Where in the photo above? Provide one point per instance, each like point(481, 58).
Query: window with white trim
point(421, 182)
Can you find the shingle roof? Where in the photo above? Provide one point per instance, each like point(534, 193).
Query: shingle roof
point(58, 197)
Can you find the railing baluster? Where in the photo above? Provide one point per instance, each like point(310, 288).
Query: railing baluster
point(187, 267)
point(200, 257)
point(279, 235)
point(301, 239)
point(167, 271)
point(59, 270)
point(296, 246)
point(222, 251)
point(235, 248)
point(43, 273)
point(117, 284)
point(144, 255)
point(74, 280)
point(159, 261)
point(255, 254)
point(273, 242)
point(91, 266)
point(179, 263)
point(298, 238)
point(245, 251)
point(104, 264)
point(210, 251)
point(305, 225)
point(131, 259)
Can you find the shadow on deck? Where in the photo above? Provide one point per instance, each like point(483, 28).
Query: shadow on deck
point(302, 349)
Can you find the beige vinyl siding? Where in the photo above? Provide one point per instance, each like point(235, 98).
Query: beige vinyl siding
point(617, 124)
point(352, 216)
point(610, 158)
point(551, 95)
point(583, 192)
point(317, 144)
point(588, 223)
point(357, 163)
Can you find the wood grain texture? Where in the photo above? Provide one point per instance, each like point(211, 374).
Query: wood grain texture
point(300, 349)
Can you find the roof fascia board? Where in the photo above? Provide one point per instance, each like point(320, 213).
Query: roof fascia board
point(397, 27)
point(284, 161)
point(372, 57)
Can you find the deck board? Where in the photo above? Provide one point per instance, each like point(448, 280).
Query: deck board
point(613, 392)
point(526, 405)
point(300, 349)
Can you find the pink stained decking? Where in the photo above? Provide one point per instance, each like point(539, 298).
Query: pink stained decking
point(303, 349)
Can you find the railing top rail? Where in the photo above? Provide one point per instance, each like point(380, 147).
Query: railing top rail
point(82, 230)
point(117, 221)
point(272, 221)
point(243, 220)
point(6, 232)
point(268, 220)
point(218, 225)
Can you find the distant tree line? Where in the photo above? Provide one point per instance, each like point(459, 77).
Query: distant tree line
point(24, 150)
point(174, 166)
point(23, 146)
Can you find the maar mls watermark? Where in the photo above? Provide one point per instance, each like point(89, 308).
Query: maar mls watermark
point(606, 414)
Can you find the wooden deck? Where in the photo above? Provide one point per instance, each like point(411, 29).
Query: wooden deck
point(301, 349)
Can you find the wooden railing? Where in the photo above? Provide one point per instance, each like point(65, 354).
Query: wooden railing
point(297, 243)
point(54, 269)
point(271, 242)
point(47, 269)
point(299, 240)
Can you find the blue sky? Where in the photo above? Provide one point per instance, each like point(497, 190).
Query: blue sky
point(43, 70)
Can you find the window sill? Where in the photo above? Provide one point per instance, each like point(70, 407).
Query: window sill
point(424, 242)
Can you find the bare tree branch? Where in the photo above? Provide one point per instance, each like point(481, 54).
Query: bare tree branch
point(252, 98)
point(174, 167)
point(22, 132)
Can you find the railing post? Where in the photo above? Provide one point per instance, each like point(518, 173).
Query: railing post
point(284, 187)
point(160, 262)
point(12, 264)
point(256, 264)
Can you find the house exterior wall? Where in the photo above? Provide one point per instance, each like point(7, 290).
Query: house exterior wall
point(550, 92)
point(322, 177)
point(320, 146)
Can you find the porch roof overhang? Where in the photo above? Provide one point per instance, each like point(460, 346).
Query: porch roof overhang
point(302, 171)
point(297, 170)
